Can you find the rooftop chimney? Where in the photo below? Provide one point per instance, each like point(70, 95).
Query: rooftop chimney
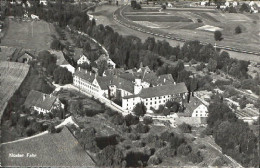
point(79, 68)
point(86, 71)
point(164, 80)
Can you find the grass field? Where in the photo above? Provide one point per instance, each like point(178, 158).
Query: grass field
point(12, 75)
point(29, 35)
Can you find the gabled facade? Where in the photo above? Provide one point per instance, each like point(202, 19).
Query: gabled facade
point(200, 111)
point(42, 103)
point(83, 59)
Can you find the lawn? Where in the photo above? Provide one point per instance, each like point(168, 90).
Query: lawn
point(29, 35)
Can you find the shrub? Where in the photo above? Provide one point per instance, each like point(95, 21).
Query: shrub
point(238, 30)
point(167, 136)
point(52, 128)
point(218, 35)
point(131, 120)
point(163, 7)
point(134, 136)
point(154, 160)
point(185, 128)
point(195, 157)
point(148, 120)
point(244, 8)
point(110, 156)
point(118, 119)
point(184, 149)
point(138, 6)
point(141, 128)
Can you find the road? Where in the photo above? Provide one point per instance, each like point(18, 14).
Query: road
point(104, 15)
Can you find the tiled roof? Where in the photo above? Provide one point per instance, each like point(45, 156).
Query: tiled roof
point(150, 77)
point(115, 71)
point(39, 99)
point(78, 52)
point(20, 52)
point(86, 75)
point(128, 76)
point(105, 81)
point(120, 83)
point(165, 79)
point(161, 91)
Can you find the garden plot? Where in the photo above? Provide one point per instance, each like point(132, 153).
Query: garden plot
point(210, 28)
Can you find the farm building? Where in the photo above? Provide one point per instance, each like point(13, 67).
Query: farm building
point(42, 103)
point(79, 57)
point(23, 56)
point(67, 65)
point(46, 150)
point(104, 57)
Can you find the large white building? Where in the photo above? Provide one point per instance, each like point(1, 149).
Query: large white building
point(133, 86)
point(153, 97)
point(107, 86)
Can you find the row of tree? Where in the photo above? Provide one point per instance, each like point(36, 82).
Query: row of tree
point(233, 135)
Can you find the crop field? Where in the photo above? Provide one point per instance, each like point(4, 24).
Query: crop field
point(197, 23)
point(29, 35)
point(6, 53)
point(12, 75)
point(60, 149)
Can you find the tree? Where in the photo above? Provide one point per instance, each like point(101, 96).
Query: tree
point(244, 8)
point(110, 156)
point(102, 66)
point(62, 76)
point(139, 109)
point(86, 47)
point(238, 30)
point(212, 65)
point(148, 120)
point(131, 120)
point(185, 128)
point(56, 45)
point(184, 149)
point(218, 35)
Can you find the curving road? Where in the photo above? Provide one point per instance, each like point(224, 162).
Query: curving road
point(104, 15)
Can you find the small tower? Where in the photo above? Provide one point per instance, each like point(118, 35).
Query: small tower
point(138, 85)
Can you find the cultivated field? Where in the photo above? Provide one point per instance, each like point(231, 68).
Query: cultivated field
point(194, 24)
point(12, 75)
point(29, 35)
point(60, 149)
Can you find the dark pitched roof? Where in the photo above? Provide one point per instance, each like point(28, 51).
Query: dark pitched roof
point(78, 53)
point(115, 71)
point(161, 91)
point(20, 52)
point(51, 150)
point(150, 77)
point(127, 76)
point(123, 84)
point(120, 83)
point(39, 99)
point(86, 75)
point(165, 79)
